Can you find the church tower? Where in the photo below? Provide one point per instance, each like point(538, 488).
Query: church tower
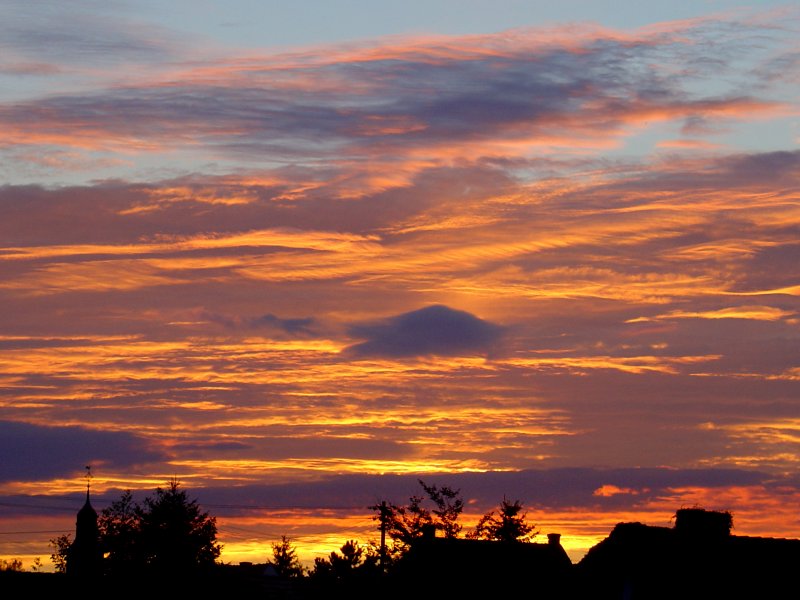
point(84, 558)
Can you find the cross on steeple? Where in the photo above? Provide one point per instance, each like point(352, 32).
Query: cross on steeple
point(88, 479)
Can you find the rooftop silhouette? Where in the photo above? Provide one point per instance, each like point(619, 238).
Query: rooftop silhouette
point(699, 557)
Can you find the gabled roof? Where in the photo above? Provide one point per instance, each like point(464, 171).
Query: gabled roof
point(697, 554)
point(484, 554)
point(475, 568)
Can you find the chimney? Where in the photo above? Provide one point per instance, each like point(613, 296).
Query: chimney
point(554, 539)
point(428, 532)
point(701, 523)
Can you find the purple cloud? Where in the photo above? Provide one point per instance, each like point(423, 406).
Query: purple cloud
point(540, 489)
point(434, 330)
point(32, 451)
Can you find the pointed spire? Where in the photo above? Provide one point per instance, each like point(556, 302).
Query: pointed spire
point(84, 556)
point(88, 481)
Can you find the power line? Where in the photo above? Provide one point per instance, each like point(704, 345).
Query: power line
point(282, 507)
point(39, 506)
point(223, 506)
point(30, 532)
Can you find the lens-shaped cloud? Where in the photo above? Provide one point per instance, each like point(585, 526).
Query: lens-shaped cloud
point(432, 331)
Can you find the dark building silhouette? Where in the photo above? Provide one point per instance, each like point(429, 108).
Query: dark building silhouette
point(84, 558)
point(697, 558)
point(477, 567)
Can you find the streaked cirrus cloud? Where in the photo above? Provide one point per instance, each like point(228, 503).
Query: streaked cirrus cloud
point(558, 261)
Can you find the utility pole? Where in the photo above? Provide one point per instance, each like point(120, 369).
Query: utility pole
point(384, 518)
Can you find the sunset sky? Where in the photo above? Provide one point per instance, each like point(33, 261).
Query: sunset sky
point(299, 255)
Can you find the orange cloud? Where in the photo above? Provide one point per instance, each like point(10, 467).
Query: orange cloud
point(607, 491)
point(759, 313)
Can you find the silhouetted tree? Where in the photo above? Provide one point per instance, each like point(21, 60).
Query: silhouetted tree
point(371, 559)
point(352, 560)
point(60, 545)
point(175, 535)
point(406, 523)
point(509, 525)
point(167, 533)
point(284, 558)
point(14, 564)
point(120, 536)
point(448, 508)
point(322, 568)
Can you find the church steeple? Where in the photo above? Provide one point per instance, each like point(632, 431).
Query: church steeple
point(88, 477)
point(84, 556)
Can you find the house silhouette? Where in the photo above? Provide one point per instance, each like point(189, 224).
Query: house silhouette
point(475, 568)
point(697, 558)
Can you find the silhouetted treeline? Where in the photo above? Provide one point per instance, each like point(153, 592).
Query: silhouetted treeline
point(425, 553)
point(167, 534)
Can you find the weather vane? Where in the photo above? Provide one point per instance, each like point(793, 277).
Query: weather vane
point(88, 477)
